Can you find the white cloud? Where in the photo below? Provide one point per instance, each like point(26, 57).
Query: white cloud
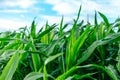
point(12, 24)
point(115, 3)
point(13, 11)
point(70, 7)
point(22, 16)
point(20, 6)
point(32, 10)
point(90, 5)
point(56, 19)
point(18, 3)
point(53, 2)
point(65, 8)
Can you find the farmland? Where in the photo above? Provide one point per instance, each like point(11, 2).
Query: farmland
point(84, 52)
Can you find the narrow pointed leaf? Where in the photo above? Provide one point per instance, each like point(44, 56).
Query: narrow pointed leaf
point(33, 30)
point(105, 19)
point(51, 58)
point(10, 68)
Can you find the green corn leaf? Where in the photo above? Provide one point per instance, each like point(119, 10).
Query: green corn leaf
point(69, 78)
point(105, 19)
point(8, 53)
point(79, 77)
point(87, 53)
point(6, 39)
point(35, 76)
point(95, 20)
point(10, 68)
point(118, 58)
point(45, 38)
point(11, 45)
point(46, 31)
point(81, 39)
point(51, 47)
point(65, 26)
point(71, 70)
point(71, 42)
point(25, 54)
point(75, 46)
point(45, 73)
point(61, 25)
point(35, 58)
point(66, 74)
point(33, 30)
point(51, 58)
point(112, 72)
point(108, 70)
point(88, 75)
point(79, 13)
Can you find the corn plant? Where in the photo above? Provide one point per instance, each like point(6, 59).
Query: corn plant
point(83, 52)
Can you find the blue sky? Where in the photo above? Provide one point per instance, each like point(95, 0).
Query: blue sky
point(19, 13)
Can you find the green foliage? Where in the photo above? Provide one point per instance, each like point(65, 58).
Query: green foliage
point(83, 52)
point(10, 68)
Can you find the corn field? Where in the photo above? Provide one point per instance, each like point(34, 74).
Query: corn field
point(84, 52)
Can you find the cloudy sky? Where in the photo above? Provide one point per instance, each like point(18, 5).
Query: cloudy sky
point(19, 13)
